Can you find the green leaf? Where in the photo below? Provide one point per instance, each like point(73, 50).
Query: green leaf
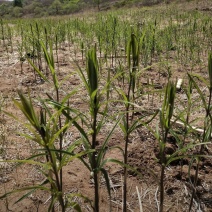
point(24, 189)
point(82, 75)
point(74, 195)
point(50, 62)
point(70, 149)
point(92, 70)
point(126, 101)
point(123, 128)
point(70, 156)
point(57, 134)
point(104, 172)
point(136, 124)
point(52, 203)
point(37, 70)
point(102, 151)
point(32, 162)
point(65, 112)
point(27, 108)
point(30, 192)
point(199, 91)
point(179, 154)
point(75, 206)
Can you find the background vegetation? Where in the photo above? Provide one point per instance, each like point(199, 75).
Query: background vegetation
point(41, 8)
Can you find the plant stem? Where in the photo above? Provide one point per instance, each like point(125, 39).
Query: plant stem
point(61, 144)
point(96, 182)
point(54, 166)
point(163, 166)
point(126, 149)
point(125, 162)
point(162, 187)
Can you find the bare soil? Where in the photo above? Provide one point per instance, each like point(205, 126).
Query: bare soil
point(143, 147)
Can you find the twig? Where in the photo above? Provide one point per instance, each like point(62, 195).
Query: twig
point(139, 200)
point(181, 124)
point(157, 199)
point(47, 200)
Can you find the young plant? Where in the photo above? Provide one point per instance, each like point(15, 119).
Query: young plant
point(44, 131)
point(126, 126)
point(92, 73)
point(186, 121)
point(93, 123)
point(47, 131)
point(133, 47)
point(166, 127)
point(207, 121)
point(166, 114)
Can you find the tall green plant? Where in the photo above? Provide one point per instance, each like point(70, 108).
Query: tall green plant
point(92, 73)
point(128, 96)
point(93, 123)
point(44, 131)
point(133, 64)
point(166, 114)
point(133, 48)
point(207, 121)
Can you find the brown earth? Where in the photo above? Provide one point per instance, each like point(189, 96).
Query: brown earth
point(143, 147)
